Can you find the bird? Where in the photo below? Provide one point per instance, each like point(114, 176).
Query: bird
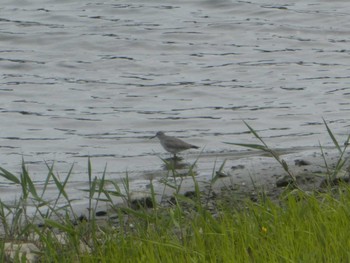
point(172, 144)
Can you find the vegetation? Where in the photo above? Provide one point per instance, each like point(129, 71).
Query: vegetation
point(297, 227)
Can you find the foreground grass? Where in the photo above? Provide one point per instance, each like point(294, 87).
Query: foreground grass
point(302, 228)
point(298, 227)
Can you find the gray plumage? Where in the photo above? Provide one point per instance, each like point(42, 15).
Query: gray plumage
point(172, 144)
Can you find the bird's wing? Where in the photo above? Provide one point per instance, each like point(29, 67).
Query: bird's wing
point(176, 143)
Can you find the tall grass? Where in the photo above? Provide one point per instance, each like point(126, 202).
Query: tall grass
point(298, 228)
point(301, 231)
point(333, 173)
point(264, 147)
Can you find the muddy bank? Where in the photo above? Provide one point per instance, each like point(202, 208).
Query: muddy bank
point(256, 171)
point(240, 178)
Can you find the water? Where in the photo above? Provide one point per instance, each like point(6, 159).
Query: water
point(98, 79)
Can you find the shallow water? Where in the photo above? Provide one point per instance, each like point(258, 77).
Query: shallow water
point(98, 79)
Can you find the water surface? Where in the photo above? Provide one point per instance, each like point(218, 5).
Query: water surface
point(98, 79)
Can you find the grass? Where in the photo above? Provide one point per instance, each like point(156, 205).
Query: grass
point(297, 227)
point(302, 228)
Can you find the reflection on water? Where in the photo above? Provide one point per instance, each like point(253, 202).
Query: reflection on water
point(173, 164)
point(98, 79)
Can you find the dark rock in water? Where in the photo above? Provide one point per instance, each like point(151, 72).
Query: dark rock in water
point(300, 162)
point(101, 213)
point(144, 202)
point(284, 181)
point(190, 194)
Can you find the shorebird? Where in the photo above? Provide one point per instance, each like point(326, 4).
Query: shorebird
point(172, 144)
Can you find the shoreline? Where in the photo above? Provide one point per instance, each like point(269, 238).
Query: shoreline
point(242, 175)
point(235, 182)
point(244, 178)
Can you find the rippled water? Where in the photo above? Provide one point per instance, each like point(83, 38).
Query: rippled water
point(98, 79)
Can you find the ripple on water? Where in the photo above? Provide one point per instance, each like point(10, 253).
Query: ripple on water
point(96, 79)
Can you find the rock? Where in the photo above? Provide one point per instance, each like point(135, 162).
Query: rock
point(101, 213)
point(235, 167)
point(302, 179)
point(140, 200)
point(300, 162)
point(190, 194)
point(284, 181)
point(83, 246)
point(144, 202)
point(221, 174)
point(29, 251)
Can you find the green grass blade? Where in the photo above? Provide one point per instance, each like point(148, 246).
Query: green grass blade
point(48, 177)
point(9, 176)
point(335, 142)
point(216, 174)
point(29, 182)
point(62, 227)
point(62, 192)
point(254, 133)
point(100, 188)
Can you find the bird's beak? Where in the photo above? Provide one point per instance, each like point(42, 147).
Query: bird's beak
point(153, 137)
